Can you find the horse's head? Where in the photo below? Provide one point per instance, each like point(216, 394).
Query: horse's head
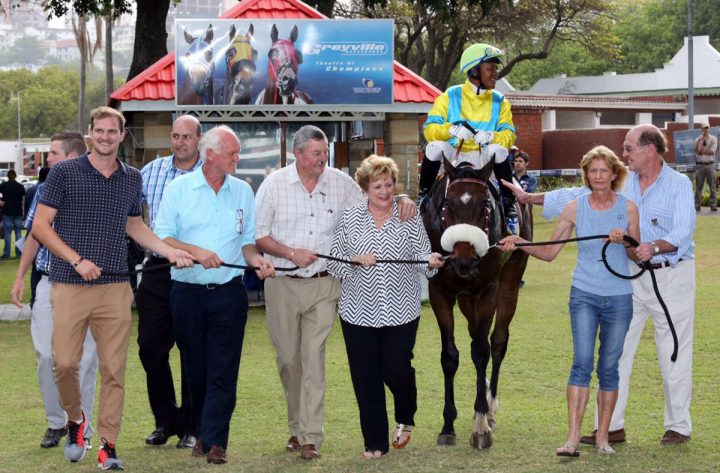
point(240, 60)
point(467, 216)
point(283, 62)
point(199, 58)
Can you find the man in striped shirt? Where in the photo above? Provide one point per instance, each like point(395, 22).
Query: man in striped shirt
point(155, 324)
point(667, 222)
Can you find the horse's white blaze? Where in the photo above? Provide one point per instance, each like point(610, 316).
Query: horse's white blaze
point(465, 198)
point(468, 233)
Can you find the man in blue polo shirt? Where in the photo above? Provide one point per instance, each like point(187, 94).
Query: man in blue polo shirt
point(155, 326)
point(211, 214)
point(87, 207)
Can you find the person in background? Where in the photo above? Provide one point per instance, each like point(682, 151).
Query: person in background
point(35, 275)
point(520, 163)
point(600, 302)
point(380, 305)
point(705, 149)
point(12, 211)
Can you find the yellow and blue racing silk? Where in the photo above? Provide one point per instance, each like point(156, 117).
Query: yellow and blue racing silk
point(488, 111)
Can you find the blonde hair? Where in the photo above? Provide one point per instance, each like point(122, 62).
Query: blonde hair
point(613, 162)
point(372, 167)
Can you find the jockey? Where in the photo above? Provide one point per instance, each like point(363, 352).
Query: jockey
point(486, 112)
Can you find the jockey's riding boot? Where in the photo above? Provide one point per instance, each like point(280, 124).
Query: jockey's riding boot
point(504, 171)
point(428, 173)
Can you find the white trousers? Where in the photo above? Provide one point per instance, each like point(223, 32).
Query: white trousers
point(41, 329)
point(435, 150)
point(677, 288)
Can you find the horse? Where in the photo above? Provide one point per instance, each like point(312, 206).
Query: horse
point(197, 85)
point(283, 62)
point(240, 69)
point(464, 219)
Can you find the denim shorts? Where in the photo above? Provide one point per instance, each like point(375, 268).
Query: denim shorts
point(611, 315)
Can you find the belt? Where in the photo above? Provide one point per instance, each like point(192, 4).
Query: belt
point(43, 273)
point(708, 163)
point(321, 274)
point(664, 264)
point(237, 280)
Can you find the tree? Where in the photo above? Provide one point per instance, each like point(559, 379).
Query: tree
point(429, 39)
point(24, 50)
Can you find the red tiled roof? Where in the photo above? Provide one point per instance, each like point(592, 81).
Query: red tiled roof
point(157, 82)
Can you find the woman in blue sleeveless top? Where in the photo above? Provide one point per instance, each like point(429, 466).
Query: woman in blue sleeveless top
point(598, 299)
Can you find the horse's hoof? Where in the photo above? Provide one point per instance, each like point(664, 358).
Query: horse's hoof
point(481, 441)
point(446, 440)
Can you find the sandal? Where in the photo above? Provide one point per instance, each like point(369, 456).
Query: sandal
point(401, 435)
point(604, 449)
point(370, 454)
point(568, 450)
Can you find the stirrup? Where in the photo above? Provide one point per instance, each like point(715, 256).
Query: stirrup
point(398, 433)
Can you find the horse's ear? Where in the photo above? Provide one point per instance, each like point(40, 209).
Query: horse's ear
point(294, 34)
point(449, 168)
point(487, 170)
point(188, 36)
point(209, 34)
point(251, 30)
point(231, 32)
point(274, 33)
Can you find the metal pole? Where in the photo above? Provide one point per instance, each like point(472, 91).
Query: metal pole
point(691, 94)
point(18, 118)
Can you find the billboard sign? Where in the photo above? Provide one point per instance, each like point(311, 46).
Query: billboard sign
point(254, 63)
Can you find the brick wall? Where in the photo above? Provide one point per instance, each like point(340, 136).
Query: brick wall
point(528, 127)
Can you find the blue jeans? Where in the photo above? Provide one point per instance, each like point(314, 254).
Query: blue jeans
point(612, 315)
point(209, 326)
point(11, 223)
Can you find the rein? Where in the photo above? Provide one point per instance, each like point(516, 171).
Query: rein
point(645, 266)
point(150, 269)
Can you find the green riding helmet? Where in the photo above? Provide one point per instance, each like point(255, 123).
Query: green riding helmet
point(477, 54)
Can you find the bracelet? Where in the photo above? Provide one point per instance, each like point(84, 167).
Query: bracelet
point(76, 263)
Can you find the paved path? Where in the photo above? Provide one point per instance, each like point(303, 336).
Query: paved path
point(10, 312)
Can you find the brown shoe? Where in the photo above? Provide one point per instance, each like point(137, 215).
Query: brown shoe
point(674, 438)
point(197, 450)
point(614, 436)
point(293, 445)
point(309, 452)
point(216, 455)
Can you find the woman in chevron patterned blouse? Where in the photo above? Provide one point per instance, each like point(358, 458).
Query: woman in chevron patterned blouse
point(380, 303)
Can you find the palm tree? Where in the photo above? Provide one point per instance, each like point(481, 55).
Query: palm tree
point(87, 53)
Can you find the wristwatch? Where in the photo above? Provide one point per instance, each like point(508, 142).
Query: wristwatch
point(656, 248)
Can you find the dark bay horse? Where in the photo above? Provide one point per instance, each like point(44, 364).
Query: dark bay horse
point(240, 68)
point(463, 220)
point(283, 63)
point(197, 85)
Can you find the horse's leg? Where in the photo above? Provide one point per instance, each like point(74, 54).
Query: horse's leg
point(506, 305)
point(479, 311)
point(442, 305)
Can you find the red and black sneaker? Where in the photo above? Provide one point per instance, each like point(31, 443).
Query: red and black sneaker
point(75, 443)
point(107, 457)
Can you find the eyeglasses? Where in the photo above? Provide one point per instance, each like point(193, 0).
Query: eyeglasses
point(630, 149)
point(239, 223)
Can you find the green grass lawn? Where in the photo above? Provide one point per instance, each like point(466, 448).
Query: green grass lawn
point(532, 418)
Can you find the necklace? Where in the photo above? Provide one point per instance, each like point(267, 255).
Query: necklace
point(384, 217)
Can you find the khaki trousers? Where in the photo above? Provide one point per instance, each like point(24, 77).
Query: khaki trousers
point(105, 308)
point(300, 314)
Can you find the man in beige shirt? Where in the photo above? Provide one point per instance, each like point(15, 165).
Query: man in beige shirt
point(705, 148)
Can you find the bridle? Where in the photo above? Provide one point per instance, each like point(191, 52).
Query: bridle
point(486, 211)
